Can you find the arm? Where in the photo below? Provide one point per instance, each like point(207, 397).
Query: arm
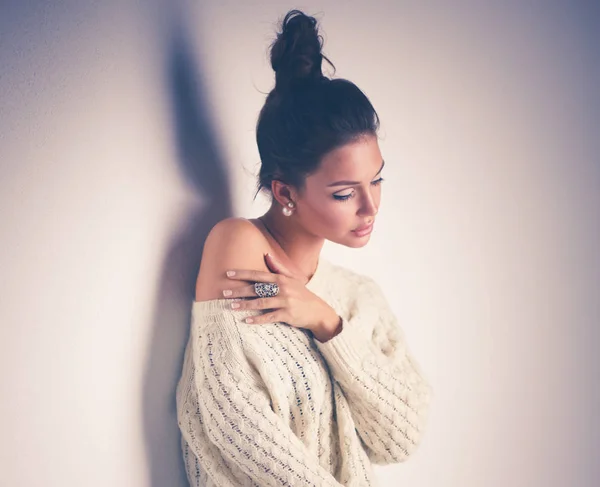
point(238, 417)
point(386, 391)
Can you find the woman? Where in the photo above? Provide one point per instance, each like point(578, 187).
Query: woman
point(320, 384)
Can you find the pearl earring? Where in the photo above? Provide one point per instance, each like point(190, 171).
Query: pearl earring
point(287, 211)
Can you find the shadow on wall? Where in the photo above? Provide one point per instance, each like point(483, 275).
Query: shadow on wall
point(204, 169)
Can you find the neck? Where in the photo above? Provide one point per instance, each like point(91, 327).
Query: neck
point(300, 247)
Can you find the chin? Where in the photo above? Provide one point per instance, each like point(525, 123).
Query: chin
point(358, 243)
point(353, 242)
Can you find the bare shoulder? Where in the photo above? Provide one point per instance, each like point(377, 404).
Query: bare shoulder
point(233, 243)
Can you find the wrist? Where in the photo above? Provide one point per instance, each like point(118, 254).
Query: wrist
point(328, 328)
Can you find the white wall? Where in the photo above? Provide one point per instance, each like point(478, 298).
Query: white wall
point(127, 131)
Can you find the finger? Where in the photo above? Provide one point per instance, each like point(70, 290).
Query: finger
point(270, 317)
point(240, 292)
point(261, 303)
point(252, 275)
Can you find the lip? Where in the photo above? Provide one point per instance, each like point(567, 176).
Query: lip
point(366, 227)
point(363, 230)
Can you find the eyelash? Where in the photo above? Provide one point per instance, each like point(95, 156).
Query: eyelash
point(348, 196)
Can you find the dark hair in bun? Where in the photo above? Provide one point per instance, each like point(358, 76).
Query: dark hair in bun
point(306, 114)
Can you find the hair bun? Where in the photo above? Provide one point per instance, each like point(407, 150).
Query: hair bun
point(296, 52)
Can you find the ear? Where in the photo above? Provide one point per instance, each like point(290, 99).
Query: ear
point(282, 192)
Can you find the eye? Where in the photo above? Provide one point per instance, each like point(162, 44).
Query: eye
point(343, 197)
point(346, 197)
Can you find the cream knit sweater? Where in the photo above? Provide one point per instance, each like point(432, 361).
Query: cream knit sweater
point(269, 405)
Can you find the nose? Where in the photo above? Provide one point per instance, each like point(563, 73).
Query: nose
point(370, 206)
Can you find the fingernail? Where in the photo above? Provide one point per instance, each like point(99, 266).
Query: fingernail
point(249, 320)
point(231, 273)
point(227, 292)
point(235, 305)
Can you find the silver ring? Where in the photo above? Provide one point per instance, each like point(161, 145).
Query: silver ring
point(266, 289)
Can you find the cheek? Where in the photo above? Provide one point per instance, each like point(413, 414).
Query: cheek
point(336, 217)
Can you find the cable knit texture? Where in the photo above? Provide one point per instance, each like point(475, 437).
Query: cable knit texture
point(269, 405)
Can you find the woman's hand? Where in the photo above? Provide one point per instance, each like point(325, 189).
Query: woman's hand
point(294, 305)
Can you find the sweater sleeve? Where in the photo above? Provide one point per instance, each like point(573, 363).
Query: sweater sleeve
point(386, 391)
point(237, 414)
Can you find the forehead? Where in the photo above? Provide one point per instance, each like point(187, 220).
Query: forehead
point(358, 160)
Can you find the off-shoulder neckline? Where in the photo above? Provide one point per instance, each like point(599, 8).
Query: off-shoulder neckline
point(312, 285)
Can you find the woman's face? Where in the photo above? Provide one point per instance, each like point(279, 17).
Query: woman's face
point(344, 194)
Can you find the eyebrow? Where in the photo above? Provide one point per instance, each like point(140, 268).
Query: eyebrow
point(347, 183)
